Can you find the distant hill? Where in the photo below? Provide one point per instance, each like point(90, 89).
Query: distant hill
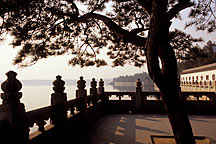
point(144, 77)
point(45, 82)
point(41, 82)
point(49, 82)
point(127, 83)
point(208, 57)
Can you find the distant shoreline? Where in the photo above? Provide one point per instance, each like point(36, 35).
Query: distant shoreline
point(124, 84)
point(49, 82)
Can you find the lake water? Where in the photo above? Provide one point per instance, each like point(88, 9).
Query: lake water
point(37, 96)
point(37, 93)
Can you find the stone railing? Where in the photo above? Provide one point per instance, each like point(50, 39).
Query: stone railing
point(151, 102)
point(15, 121)
point(63, 119)
point(199, 86)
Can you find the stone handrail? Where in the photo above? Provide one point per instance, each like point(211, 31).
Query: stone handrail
point(199, 86)
point(13, 113)
point(156, 95)
point(38, 116)
point(71, 105)
point(132, 95)
point(15, 120)
point(120, 95)
point(90, 99)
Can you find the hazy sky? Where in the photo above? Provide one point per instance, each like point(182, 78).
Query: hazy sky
point(49, 68)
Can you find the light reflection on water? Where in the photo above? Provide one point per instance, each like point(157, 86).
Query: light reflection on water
point(37, 96)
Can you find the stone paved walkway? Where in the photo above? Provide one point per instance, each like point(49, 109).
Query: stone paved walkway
point(137, 128)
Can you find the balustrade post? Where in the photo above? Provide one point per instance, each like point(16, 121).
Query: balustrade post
point(101, 87)
point(12, 113)
point(214, 85)
point(58, 102)
point(214, 99)
point(200, 86)
point(139, 98)
point(209, 85)
point(101, 93)
point(193, 85)
point(93, 92)
point(214, 89)
point(81, 94)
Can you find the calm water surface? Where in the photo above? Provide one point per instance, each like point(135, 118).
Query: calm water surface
point(37, 96)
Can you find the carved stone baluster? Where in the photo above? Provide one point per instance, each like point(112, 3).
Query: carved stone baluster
point(209, 86)
point(138, 95)
point(12, 112)
point(104, 98)
point(214, 83)
point(72, 109)
point(200, 86)
point(58, 115)
point(101, 87)
point(58, 102)
point(118, 96)
point(158, 97)
point(130, 96)
point(41, 124)
point(81, 94)
point(93, 91)
point(88, 103)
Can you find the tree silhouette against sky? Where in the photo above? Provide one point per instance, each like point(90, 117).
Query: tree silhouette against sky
point(134, 32)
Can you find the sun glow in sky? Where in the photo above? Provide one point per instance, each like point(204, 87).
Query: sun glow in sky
point(52, 66)
point(49, 68)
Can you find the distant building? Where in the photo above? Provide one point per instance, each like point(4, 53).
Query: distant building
point(204, 73)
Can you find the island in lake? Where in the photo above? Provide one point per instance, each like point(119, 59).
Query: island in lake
point(128, 82)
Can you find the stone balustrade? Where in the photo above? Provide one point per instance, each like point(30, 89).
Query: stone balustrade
point(199, 86)
point(68, 118)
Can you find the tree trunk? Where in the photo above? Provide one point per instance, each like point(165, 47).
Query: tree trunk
point(165, 75)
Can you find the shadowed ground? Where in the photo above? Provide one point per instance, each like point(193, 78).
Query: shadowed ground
point(137, 128)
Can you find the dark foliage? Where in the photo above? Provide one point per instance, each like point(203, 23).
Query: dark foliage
point(208, 56)
point(132, 78)
point(203, 16)
point(56, 27)
point(130, 30)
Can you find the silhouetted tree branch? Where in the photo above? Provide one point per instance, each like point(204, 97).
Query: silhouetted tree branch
point(135, 32)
